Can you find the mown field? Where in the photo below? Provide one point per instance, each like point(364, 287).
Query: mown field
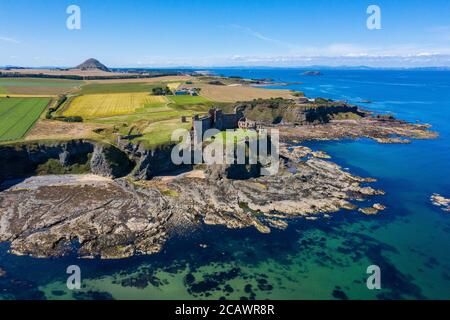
point(17, 116)
point(104, 105)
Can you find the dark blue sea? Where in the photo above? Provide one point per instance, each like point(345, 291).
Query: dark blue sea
point(322, 259)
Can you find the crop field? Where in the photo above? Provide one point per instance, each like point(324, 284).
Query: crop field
point(37, 86)
point(105, 105)
point(173, 85)
point(17, 116)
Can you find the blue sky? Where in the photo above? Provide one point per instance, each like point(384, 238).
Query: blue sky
point(153, 33)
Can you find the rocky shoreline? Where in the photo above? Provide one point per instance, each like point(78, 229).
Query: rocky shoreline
point(120, 201)
point(380, 130)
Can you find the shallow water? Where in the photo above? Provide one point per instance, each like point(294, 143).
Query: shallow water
point(322, 259)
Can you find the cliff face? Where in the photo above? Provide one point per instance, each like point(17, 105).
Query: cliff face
point(17, 161)
point(282, 111)
point(320, 114)
point(28, 159)
point(153, 162)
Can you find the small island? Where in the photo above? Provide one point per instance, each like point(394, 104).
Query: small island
point(312, 73)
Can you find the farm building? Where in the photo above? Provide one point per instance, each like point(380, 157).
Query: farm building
point(304, 100)
point(186, 92)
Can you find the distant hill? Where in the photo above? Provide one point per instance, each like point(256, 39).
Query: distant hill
point(92, 64)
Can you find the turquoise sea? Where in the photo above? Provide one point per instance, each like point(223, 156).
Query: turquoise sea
point(322, 259)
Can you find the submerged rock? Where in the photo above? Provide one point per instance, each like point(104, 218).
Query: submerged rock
point(440, 201)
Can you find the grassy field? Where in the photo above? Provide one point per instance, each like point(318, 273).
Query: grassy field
point(240, 93)
point(188, 100)
point(160, 132)
point(106, 105)
point(37, 86)
point(17, 116)
point(112, 108)
point(120, 87)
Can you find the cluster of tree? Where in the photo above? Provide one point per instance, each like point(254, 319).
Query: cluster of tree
point(216, 83)
point(160, 91)
point(69, 119)
point(81, 77)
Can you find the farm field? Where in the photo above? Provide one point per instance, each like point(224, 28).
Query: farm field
point(161, 79)
point(240, 93)
point(116, 107)
point(17, 116)
point(105, 105)
point(118, 87)
point(37, 86)
point(188, 100)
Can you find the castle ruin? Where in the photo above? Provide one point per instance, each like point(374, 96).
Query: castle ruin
point(216, 119)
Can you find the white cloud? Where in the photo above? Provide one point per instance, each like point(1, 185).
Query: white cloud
point(260, 36)
point(420, 59)
point(10, 40)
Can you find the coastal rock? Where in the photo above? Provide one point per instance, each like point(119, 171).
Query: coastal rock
point(320, 154)
point(392, 140)
point(440, 201)
point(377, 207)
point(379, 129)
point(368, 211)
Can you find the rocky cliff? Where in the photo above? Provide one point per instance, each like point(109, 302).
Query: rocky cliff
point(18, 161)
point(277, 111)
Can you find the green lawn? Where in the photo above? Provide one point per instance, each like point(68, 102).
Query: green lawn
point(236, 135)
point(17, 116)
